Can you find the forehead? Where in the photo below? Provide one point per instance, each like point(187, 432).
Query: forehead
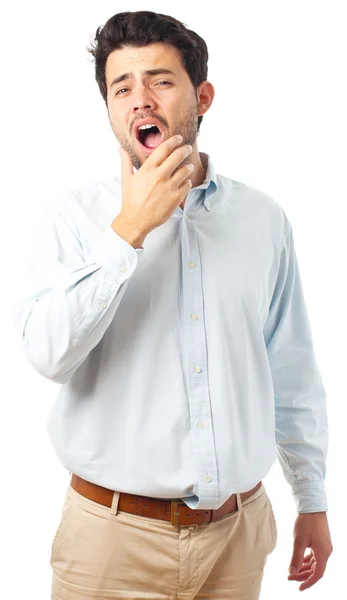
point(136, 60)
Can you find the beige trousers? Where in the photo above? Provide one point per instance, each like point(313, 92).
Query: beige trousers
point(100, 552)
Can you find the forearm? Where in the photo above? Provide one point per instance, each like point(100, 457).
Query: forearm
point(302, 439)
point(72, 311)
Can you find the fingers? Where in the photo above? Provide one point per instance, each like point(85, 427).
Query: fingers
point(181, 175)
point(168, 155)
point(308, 561)
point(312, 570)
point(301, 566)
point(311, 531)
point(127, 166)
point(305, 570)
point(316, 573)
point(298, 556)
point(185, 187)
point(175, 160)
point(164, 150)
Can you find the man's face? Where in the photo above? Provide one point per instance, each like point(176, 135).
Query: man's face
point(168, 98)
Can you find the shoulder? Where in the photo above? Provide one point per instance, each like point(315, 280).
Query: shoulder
point(255, 203)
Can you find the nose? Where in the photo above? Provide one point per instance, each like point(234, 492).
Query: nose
point(143, 99)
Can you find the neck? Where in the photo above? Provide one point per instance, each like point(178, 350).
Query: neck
point(199, 174)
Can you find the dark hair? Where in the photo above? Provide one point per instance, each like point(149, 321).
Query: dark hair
point(145, 27)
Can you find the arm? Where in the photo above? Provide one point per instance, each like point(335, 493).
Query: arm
point(300, 402)
point(65, 300)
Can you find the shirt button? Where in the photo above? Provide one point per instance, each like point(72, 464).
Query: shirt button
point(197, 369)
point(195, 316)
point(123, 268)
point(103, 305)
point(191, 264)
point(185, 216)
point(208, 478)
point(201, 425)
point(208, 203)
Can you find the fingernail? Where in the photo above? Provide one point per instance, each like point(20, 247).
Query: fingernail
point(292, 570)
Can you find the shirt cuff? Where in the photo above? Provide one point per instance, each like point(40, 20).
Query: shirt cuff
point(310, 496)
point(116, 255)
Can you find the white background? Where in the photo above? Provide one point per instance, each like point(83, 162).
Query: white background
point(278, 122)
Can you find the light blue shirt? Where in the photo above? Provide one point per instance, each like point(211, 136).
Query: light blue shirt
point(186, 366)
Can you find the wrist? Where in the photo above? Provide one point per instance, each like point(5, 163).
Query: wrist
point(130, 232)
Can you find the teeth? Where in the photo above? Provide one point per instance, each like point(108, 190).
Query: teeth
point(148, 126)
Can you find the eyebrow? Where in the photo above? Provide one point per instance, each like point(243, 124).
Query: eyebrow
point(147, 73)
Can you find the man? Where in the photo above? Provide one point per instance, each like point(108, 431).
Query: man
point(168, 303)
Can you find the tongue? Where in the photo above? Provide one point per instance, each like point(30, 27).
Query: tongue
point(152, 140)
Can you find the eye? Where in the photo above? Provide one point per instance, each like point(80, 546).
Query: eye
point(125, 89)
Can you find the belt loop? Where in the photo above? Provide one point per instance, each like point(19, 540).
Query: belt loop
point(238, 501)
point(115, 501)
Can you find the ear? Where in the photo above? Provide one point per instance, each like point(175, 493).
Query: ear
point(205, 94)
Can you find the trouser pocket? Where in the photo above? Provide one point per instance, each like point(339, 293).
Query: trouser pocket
point(273, 521)
point(58, 534)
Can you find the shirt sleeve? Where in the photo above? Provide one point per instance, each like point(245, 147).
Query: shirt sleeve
point(65, 301)
point(300, 400)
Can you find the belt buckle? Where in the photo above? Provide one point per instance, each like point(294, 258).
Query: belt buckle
point(174, 511)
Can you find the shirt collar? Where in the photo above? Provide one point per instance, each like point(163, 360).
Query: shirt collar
point(210, 182)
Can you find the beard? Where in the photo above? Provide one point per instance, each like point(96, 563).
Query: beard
point(185, 125)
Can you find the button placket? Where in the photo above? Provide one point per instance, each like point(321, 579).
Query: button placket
point(197, 375)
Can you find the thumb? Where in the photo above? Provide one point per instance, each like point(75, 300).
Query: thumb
point(126, 164)
point(297, 557)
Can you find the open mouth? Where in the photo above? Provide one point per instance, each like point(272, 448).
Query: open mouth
point(150, 136)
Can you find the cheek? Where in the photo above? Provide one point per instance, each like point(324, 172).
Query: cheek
point(112, 113)
point(117, 121)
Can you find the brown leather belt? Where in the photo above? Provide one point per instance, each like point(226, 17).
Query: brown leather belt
point(174, 511)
